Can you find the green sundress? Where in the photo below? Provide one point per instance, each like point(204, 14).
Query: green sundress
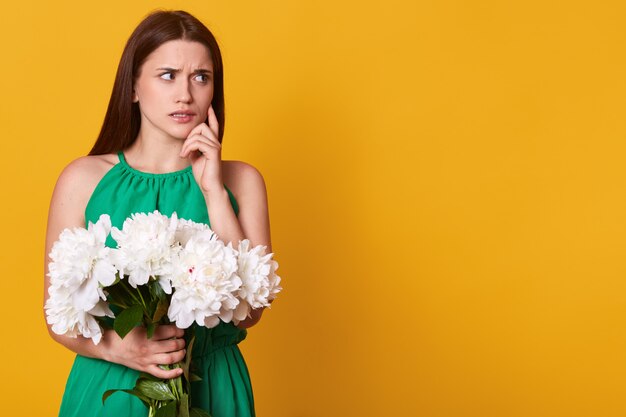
point(225, 389)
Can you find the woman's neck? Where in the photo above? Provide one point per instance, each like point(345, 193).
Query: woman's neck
point(156, 156)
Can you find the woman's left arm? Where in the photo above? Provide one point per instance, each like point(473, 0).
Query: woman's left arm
point(252, 222)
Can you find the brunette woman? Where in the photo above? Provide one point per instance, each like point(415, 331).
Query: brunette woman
point(160, 149)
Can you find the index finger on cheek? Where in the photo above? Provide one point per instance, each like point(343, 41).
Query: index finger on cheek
point(213, 123)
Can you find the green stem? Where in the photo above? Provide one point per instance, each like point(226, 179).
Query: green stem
point(118, 304)
point(175, 383)
point(143, 303)
point(125, 286)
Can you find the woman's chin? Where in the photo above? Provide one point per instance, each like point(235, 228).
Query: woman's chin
point(181, 133)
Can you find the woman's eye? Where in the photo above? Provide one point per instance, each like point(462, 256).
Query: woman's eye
point(203, 78)
point(165, 75)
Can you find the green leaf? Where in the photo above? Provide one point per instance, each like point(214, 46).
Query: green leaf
point(127, 320)
point(194, 378)
point(150, 330)
point(155, 390)
point(107, 394)
point(187, 360)
point(198, 412)
point(134, 392)
point(161, 310)
point(156, 291)
point(168, 410)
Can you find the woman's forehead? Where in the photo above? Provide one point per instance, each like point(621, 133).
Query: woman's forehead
point(179, 54)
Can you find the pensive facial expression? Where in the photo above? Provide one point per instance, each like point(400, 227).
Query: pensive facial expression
point(174, 89)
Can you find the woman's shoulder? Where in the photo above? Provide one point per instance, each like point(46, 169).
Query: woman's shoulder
point(81, 175)
point(242, 178)
point(239, 168)
point(88, 168)
point(73, 189)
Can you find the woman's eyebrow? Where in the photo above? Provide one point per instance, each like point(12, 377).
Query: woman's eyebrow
point(198, 70)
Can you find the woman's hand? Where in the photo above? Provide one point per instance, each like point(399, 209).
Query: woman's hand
point(205, 152)
point(138, 352)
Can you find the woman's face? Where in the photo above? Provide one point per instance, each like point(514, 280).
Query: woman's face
point(174, 89)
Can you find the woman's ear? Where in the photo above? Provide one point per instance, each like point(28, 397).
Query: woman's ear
point(135, 96)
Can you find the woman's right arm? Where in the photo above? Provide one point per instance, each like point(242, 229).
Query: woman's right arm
point(67, 207)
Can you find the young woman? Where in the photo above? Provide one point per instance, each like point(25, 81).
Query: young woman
point(160, 149)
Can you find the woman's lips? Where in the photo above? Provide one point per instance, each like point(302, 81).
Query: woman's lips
point(182, 117)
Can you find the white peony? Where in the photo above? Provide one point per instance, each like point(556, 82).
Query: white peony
point(146, 247)
point(187, 228)
point(66, 319)
point(79, 268)
point(259, 281)
point(205, 282)
point(274, 279)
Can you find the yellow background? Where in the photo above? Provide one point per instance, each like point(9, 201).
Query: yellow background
point(447, 196)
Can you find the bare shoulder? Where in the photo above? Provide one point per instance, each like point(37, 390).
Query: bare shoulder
point(242, 179)
point(248, 187)
point(87, 166)
point(78, 180)
point(86, 171)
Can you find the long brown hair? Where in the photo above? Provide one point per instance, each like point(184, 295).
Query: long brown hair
point(122, 120)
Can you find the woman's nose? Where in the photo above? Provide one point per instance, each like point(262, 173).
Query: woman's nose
point(183, 92)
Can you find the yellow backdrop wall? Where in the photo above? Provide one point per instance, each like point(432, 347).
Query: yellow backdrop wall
point(446, 185)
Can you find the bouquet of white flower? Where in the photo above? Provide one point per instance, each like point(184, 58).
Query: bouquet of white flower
point(80, 267)
point(164, 270)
